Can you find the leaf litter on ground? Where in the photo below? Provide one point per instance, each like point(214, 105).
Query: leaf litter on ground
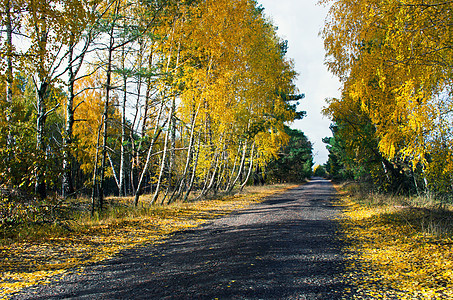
point(397, 251)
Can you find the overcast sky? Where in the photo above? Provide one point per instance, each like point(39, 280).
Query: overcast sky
point(299, 22)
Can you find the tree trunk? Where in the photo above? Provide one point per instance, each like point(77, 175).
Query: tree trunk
point(157, 132)
point(209, 181)
point(134, 157)
point(74, 66)
point(173, 128)
point(140, 178)
point(220, 177)
point(40, 185)
point(9, 71)
point(123, 129)
point(42, 86)
point(214, 185)
point(95, 171)
point(233, 170)
point(105, 117)
point(147, 99)
point(113, 171)
point(250, 167)
point(194, 171)
point(172, 144)
point(183, 182)
point(162, 166)
point(241, 167)
point(67, 186)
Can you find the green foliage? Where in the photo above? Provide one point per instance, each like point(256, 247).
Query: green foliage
point(319, 171)
point(354, 154)
point(295, 160)
point(20, 159)
point(353, 150)
point(335, 166)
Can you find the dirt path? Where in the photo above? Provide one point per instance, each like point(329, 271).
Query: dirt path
point(284, 248)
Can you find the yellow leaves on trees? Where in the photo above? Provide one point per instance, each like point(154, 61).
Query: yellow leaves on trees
point(199, 80)
point(395, 58)
point(234, 79)
point(89, 106)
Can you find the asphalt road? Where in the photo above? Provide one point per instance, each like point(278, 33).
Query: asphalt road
point(285, 248)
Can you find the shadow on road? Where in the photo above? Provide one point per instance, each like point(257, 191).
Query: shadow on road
point(284, 248)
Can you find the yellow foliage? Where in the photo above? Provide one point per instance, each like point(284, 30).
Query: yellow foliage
point(394, 58)
point(88, 120)
point(229, 84)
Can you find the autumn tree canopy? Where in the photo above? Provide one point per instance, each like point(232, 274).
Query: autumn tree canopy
point(395, 61)
point(133, 97)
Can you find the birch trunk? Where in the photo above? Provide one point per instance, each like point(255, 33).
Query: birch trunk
point(183, 182)
point(123, 129)
point(134, 151)
point(40, 185)
point(74, 66)
point(233, 170)
point(194, 171)
point(209, 181)
point(95, 171)
point(113, 170)
point(162, 166)
point(241, 167)
point(67, 186)
point(173, 126)
point(172, 144)
point(105, 117)
point(157, 132)
point(250, 167)
point(41, 95)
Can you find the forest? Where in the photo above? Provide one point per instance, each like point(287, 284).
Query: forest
point(392, 125)
point(128, 123)
point(174, 99)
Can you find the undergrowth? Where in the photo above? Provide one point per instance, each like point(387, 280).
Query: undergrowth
point(399, 247)
point(33, 252)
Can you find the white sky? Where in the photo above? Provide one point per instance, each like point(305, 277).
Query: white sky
point(299, 22)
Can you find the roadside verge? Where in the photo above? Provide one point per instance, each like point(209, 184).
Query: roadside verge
point(397, 250)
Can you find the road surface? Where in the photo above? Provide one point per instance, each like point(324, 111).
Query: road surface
point(284, 248)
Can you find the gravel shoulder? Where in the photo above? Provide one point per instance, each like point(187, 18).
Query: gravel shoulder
point(284, 248)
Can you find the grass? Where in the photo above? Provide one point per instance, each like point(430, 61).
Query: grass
point(33, 252)
point(399, 247)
